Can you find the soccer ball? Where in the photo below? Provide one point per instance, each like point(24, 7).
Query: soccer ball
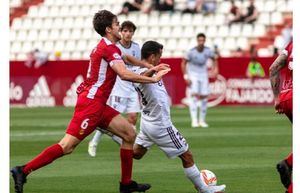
point(208, 177)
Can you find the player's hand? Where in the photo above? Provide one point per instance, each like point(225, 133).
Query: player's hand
point(160, 67)
point(160, 74)
point(278, 108)
point(188, 82)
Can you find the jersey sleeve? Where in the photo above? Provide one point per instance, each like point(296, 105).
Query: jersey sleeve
point(288, 49)
point(211, 53)
point(113, 54)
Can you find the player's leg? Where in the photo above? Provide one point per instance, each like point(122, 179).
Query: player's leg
point(122, 128)
point(47, 156)
point(92, 149)
point(204, 91)
point(194, 89)
point(139, 151)
point(193, 174)
point(285, 169)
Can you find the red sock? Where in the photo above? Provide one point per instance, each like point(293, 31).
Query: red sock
point(44, 158)
point(290, 189)
point(126, 165)
point(289, 159)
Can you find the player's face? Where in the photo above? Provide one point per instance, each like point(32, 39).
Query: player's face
point(115, 27)
point(127, 34)
point(156, 58)
point(201, 41)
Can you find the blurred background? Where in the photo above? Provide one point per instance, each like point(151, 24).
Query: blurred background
point(50, 37)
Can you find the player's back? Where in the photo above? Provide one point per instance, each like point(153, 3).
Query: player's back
point(155, 103)
point(101, 77)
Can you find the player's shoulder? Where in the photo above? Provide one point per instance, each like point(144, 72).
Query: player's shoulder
point(193, 49)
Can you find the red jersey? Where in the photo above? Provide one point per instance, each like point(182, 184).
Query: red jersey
point(101, 77)
point(286, 74)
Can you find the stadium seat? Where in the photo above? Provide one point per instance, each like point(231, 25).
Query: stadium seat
point(223, 31)
point(32, 35)
point(165, 32)
point(177, 32)
point(247, 30)
point(276, 18)
point(59, 46)
point(189, 32)
point(212, 31)
point(22, 35)
point(33, 11)
point(76, 34)
point(54, 34)
point(235, 30)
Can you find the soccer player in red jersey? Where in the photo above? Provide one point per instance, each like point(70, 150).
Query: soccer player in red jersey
point(281, 76)
point(91, 110)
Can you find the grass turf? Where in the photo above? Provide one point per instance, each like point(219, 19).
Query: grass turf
point(241, 146)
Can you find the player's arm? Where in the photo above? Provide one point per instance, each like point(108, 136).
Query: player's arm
point(274, 70)
point(155, 69)
point(215, 66)
point(183, 68)
point(119, 67)
point(135, 62)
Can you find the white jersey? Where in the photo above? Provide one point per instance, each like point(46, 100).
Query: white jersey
point(155, 103)
point(197, 62)
point(124, 88)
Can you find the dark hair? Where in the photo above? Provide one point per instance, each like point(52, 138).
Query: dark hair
point(150, 47)
point(128, 25)
point(201, 35)
point(103, 19)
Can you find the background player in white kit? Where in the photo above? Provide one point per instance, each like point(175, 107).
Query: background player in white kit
point(156, 125)
point(123, 97)
point(196, 75)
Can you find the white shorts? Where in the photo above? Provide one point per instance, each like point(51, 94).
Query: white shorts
point(124, 104)
point(168, 139)
point(199, 86)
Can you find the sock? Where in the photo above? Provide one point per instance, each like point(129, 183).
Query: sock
point(126, 165)
point(290, 189)
point(117, 139)
point(97, 137)
point(193, 174)
point(44, 158)
point(193, 109)
point(289, 159)
point(203, 110)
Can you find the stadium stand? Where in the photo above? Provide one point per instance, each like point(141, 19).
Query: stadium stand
point(66, 26)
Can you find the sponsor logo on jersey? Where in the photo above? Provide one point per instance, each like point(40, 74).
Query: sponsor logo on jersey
point(40, 95)
point(117, 56)
point(71, 95)
point(15, 92)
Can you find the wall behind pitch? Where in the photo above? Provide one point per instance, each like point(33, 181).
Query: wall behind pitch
point(55, 83)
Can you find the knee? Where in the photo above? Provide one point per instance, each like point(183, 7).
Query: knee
point(130, 136)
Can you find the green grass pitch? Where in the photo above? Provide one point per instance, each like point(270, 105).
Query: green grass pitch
point(241, 146)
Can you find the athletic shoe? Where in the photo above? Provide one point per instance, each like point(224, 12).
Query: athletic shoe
point(203, 124)
point(134, 187)
point(285, 172)
point(213, 189)
point(195, 124)
point(19, 178)
point(92, 149)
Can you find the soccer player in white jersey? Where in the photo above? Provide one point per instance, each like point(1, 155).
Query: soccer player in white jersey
point(123, 97)
point(196, 75)
point(156, 125)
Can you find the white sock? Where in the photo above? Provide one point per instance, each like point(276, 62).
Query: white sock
point(193, 108)
point(203, 110)
point(117, 139)
point(97, 137)
point(193, 174)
